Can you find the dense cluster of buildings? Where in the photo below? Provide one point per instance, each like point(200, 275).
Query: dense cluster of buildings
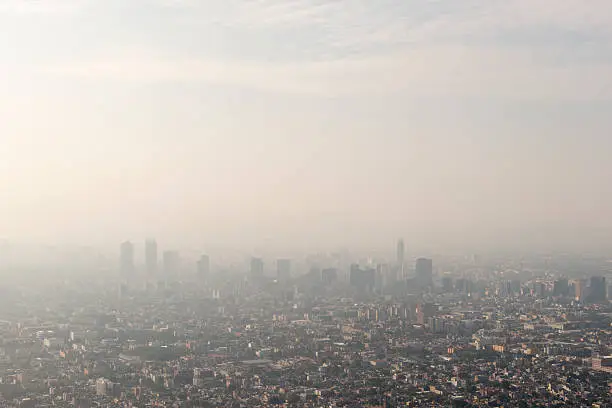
point(363, 334)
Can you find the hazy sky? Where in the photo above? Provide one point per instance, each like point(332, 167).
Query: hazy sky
point(306, 121)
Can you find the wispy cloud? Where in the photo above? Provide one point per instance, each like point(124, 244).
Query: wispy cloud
point(415, 47)
point(440, 72)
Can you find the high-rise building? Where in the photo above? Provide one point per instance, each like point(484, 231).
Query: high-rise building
point(561, 287)
point(283, 270)
point(257, 267)
point(400, 252)
point(203, 267)
point(597, 292)
point(171, 262)
point(447, 284)
point(127, 258)
point(329, 275)
point(382, 278)
point(151, 257)
point(362, 278)
point(424, 272)
point(580, 289)
point(385, 275)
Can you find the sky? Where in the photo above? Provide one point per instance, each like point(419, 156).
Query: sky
point(294, 123)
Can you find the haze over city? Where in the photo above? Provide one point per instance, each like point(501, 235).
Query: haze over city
point(305, 203)
point(294, 124)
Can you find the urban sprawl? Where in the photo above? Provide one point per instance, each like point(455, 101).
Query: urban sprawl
point(327, 330)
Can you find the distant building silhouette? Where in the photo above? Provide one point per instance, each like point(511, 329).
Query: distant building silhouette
point(329, 275)
point(597, 292)
point(151, 257)
point(257, 267)
point(424, 272)
point(447, 284)
point(362, 278)
point(580, 289)
point(561, 287)
point(400, 252)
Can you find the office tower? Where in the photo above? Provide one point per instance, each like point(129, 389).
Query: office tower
point(171, 263)
point(385, 274)
point(257, 268)
point(561, 287)
point(505, 289)
point(579, 289)
point(382, 276)
point(203, 267)
point(538, 289)
point(401, 262)
point(597, 293)
point(362, 279)
point(283, 270)
point(391, 273)
point(401, 250)
point(151, 257)
point(424, 272)
point(127, 258)
point(447, 284)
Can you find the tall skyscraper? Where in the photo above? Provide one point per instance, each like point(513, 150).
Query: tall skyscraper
point(127, 258)
point(151, 257)
point(171, 263)
point(597, 292)
point(362, 278)
point(400, 252)
point(283, 270)
point(385, 275)
point(424, 271)
point(561, 287)
point(257, 268)
point(203, 267)
point(579, 289)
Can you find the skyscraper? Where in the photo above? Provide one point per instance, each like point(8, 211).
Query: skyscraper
point(203, 267)
point(257, 268)
point(597, 292)
point(127, 258)
point(151, 257)
point(362, 278)
point(399, 268)
point(561, 287)
point(424, 271)
point(579, 289)
point(400, 252)
point(283, 270)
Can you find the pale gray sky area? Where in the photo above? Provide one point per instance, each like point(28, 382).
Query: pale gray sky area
point(307, 122)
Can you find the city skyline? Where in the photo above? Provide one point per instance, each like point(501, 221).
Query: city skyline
point(305, 203)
